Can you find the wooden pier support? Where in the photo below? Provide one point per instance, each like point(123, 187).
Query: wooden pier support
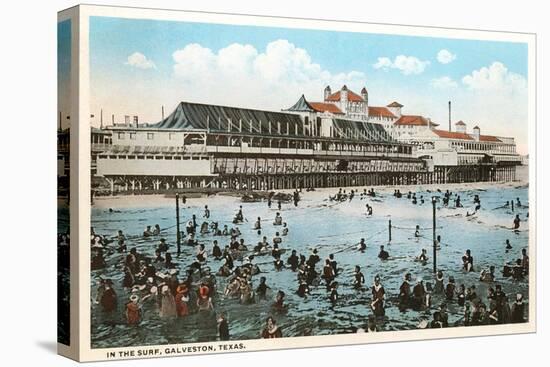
point(280, 181)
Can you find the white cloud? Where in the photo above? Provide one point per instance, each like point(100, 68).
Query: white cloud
point(495, 77)
point(241, 75)
point(495, 98)
point(444, 82)
point(384, 63)
point(445, 56)
point(406, 64)
point(140, 61)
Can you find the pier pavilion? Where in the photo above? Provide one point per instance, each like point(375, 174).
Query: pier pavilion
point(202, 145)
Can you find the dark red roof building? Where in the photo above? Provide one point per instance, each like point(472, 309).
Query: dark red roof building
point(352, 97)
point(380, 112)
point(326, 107)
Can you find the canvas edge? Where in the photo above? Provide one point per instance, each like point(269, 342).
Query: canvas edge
point(86, 353)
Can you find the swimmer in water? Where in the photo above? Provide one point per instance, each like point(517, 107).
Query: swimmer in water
point(508, 245)
point(516, 221)
point(278, 219)
point(362, 246)
point(285, 229)
point(383, 254)
point(423, 257)
point(358, 278)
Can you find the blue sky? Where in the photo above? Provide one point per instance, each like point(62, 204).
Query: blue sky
point(63, 68)
point(164, 62)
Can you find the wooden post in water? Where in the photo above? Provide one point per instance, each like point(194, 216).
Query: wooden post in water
point(434, 236)
point(178, 233)
point(389, 230)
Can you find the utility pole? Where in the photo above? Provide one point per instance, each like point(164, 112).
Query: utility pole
point(449, 116)
point(178, 233)
point(434, 235)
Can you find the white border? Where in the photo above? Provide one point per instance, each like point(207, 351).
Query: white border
point(84, 210)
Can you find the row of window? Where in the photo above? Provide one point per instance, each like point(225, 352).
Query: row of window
point(153, 157)
point(481, 146)
point(150, 136)
point(279, 169)
point(298, 166)
point(356, 107)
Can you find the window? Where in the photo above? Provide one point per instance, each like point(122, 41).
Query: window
point(132, 136)
point(121, 136)
point(150, 136)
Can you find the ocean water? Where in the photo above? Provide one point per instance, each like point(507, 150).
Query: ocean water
point(330, 227)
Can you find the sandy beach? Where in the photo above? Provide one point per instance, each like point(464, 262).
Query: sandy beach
point(153, 200)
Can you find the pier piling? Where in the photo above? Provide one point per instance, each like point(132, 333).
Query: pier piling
point(178, 233)
point(434, 236)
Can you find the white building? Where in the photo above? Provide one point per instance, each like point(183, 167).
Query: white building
point(349, 105)
point(452, 148)
point(407, 126)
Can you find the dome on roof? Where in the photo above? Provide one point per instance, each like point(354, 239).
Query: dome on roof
point(395, 104)
point(344, 87)
point(364, 90)
point(327, 87)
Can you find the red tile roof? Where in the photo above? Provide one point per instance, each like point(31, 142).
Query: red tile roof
point(352, 97)
point(452, 135)
point(380, 112)
point(412, 120)
point(325, 107)
point(489, 138)
point(395, 104)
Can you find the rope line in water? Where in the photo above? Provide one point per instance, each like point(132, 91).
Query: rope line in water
point(355, 244)
point(347, 233)
point(414, 228)
point(137, 237)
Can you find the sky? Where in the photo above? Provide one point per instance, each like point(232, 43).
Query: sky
point(63, 70)
point(137, 66)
